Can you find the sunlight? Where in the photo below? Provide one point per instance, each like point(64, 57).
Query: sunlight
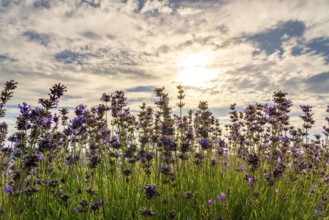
point(195, 70)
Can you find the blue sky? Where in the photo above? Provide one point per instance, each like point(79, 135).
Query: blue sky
point(223, 51)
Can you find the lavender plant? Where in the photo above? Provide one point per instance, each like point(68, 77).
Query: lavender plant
point(107, 163)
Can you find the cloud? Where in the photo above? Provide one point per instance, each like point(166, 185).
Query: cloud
point(318, 46)
point(70, 57)
point(42, 39)
point(141, 89)
point(4, 58)
point(91, 35)
point(271, 40)
point(42, 4)
point(318, 83)
point(92, 3)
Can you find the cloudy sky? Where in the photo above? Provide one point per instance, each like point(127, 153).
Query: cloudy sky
point(223, 51)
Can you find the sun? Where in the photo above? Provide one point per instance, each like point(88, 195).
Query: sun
point(195, 70)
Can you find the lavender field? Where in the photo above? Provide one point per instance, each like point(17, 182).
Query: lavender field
point(108, 163)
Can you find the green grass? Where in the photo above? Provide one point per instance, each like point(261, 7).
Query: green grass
point(125, 197)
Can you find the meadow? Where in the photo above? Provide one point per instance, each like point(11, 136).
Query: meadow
point(107, 163)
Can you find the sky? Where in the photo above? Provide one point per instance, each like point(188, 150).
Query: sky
point(222, 51)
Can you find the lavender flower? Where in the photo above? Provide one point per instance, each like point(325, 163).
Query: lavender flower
point(151, 191)
point(222, 196)
point(250, 179)
point(148, 213)
point(210, 202)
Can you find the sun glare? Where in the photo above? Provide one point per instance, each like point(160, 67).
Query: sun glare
point(195, 70)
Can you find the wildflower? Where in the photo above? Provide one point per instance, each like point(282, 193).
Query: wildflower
point(172, 214)
point(41, 157)
point(182, 157)
point(53, 183)
point(148, 213)
point(127, 172)
point(199, 156)
point(313, 192)
point(251, 180)
point(93, 146)
point(220, 150)
point(253, 160)
point(30, 161)
point(204, 143)
point(222, 196)
point(65, 198)
point(149, 156)
point(80, 110)
point(114, 142)
point(165, 169)
point(151, 191)
point(24, 109)
point(31, 191)
point(97, 205)
point(94, 161)
point(210, 202)
point(214, 162)
point(79, 210)
point(6, 94)
point(185, 147)
point(27, 180)
point(91, 191)
point(48, 103)
point(105, 97)
point(46, 144)
point(84, 203)
point(9, 190)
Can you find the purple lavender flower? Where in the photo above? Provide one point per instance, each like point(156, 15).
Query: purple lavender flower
point(80, 110)
point(7, 93)
point(24, 109)
point(27, 180)
point(41, 157)
point(97, 205)
point(253, 160)
point(172, 214)
point(220, 150)
point(46, 121)
point(210, 202)
point(48, 103)
point(214, 162)
point(222, 196)
point(105, 97)
point(151, 191)
point(251, 180)
point(3, 129)
point(204, 143)
point(187, 195)
point(9, 190)
point(165, 169)
point(148, 213)
point(57, 91)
